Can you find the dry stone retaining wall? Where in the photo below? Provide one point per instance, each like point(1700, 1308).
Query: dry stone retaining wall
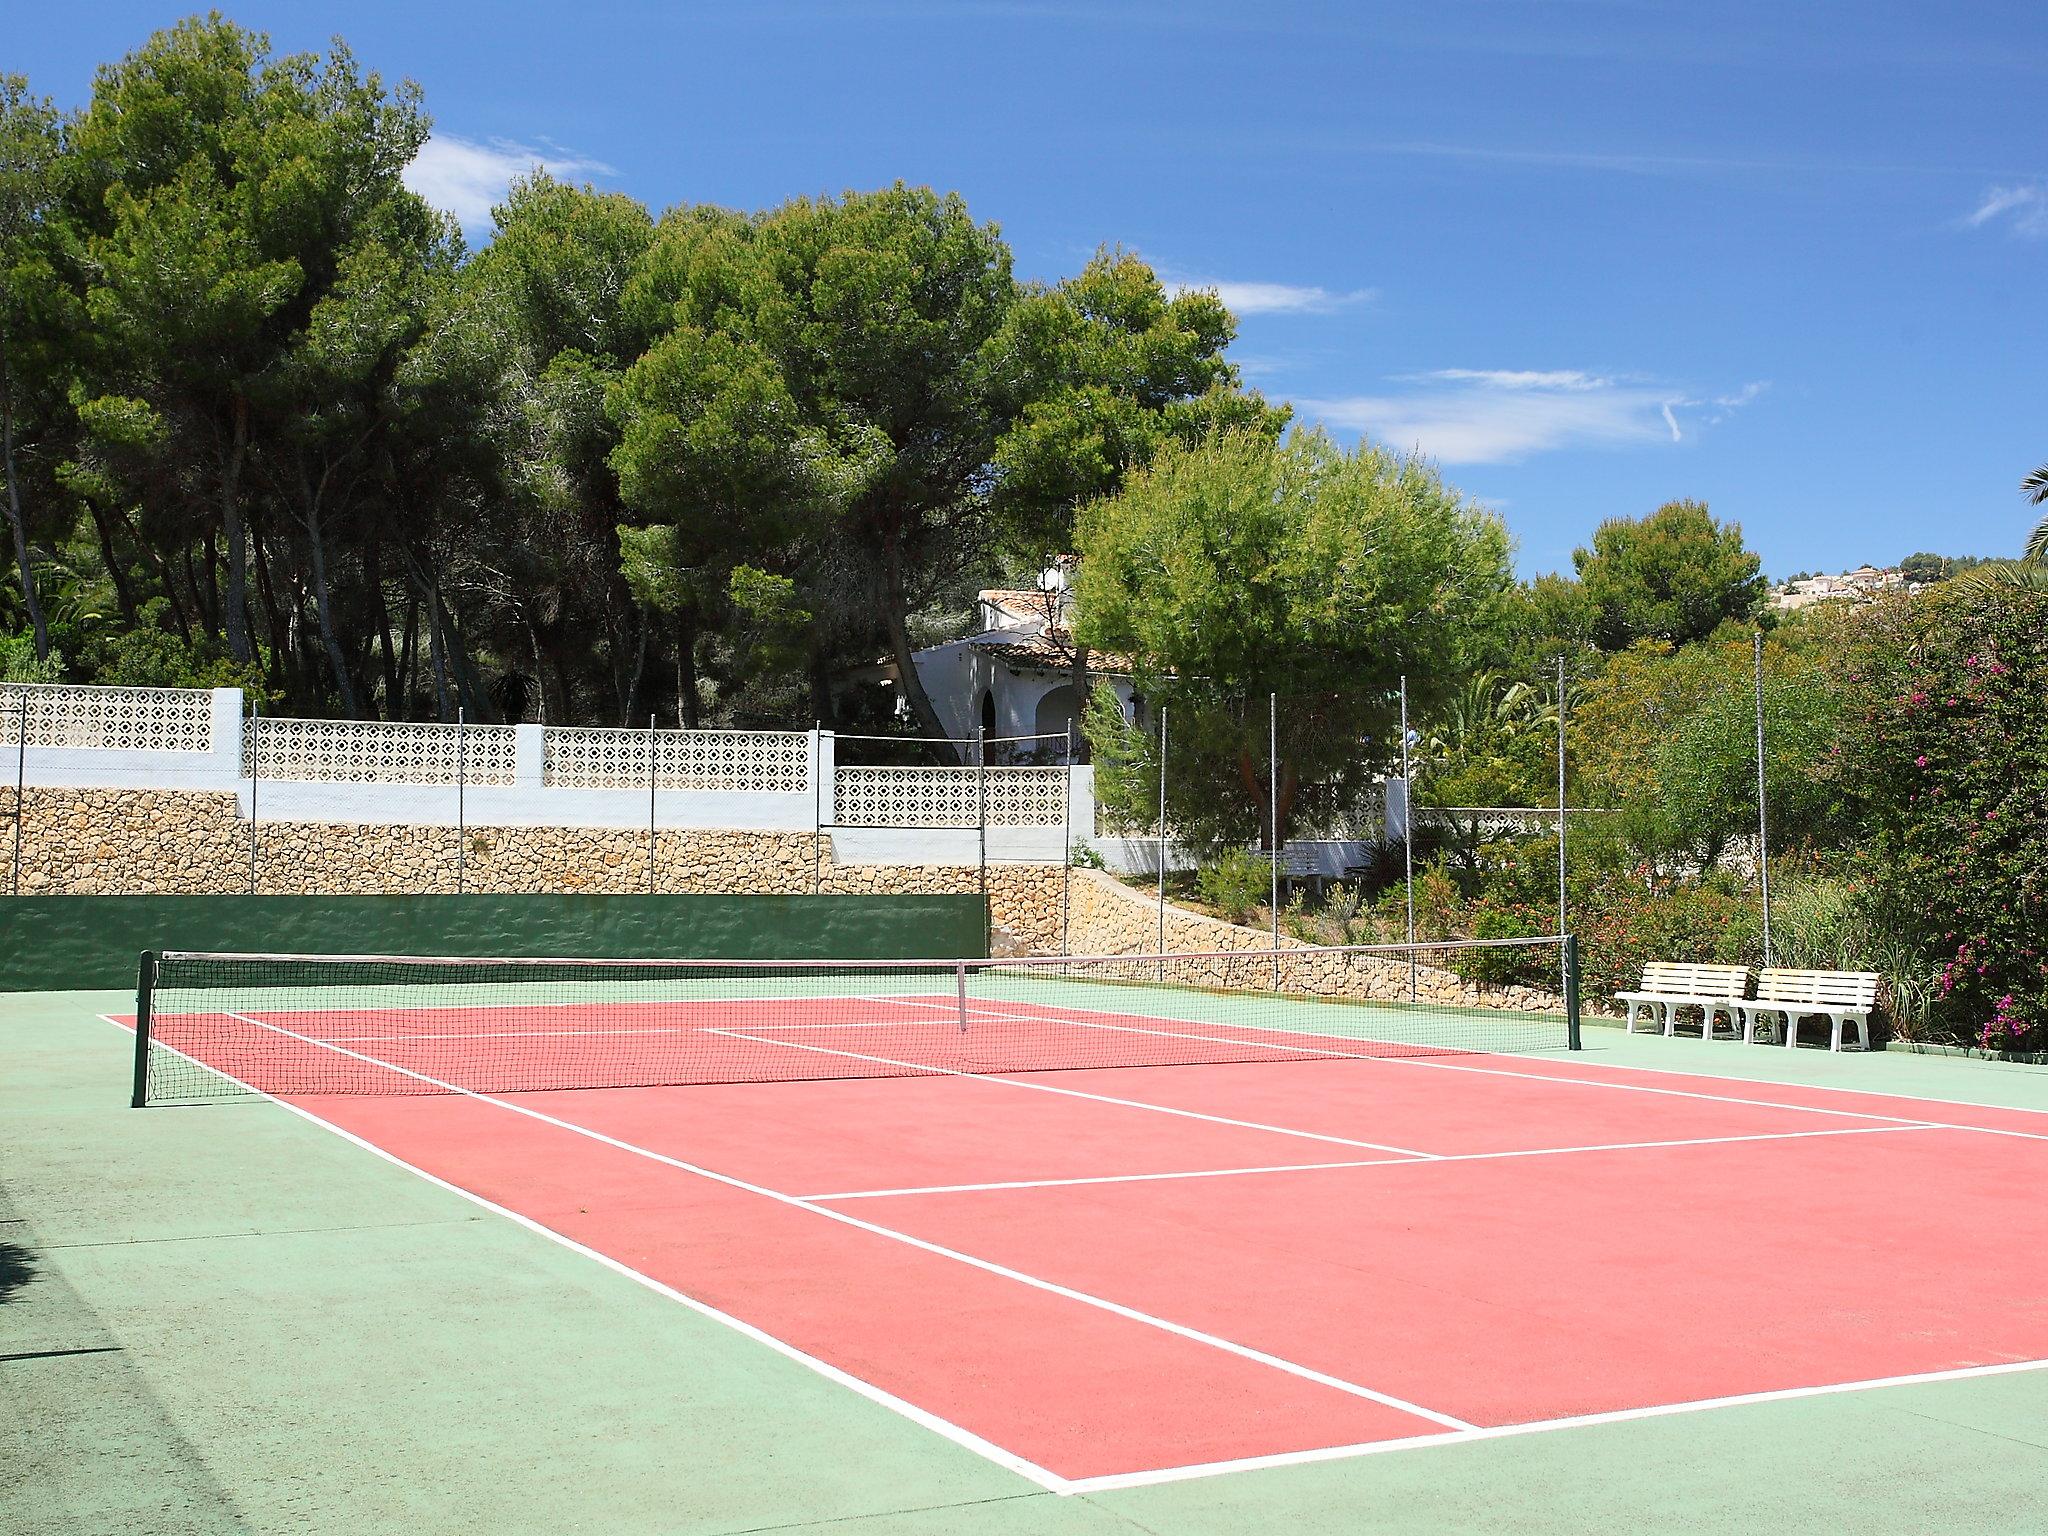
point(1110, 918)
point(162, 842)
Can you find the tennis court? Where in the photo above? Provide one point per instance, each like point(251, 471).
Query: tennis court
point(1108, 1224)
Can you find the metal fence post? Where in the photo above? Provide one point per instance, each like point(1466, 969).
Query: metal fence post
point(461, 810)
point(20, 785)
point(1273, 820)
point(1563, 919)
point(1763, 846)
point(981, 822)
point(652, 740)
point(1067, 837)
point(1408, 835)
point(1162, 836)
point(817, 807)
point(255, 730)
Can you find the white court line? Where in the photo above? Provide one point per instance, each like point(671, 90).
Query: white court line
point(654, 1029)
point(1324, 1053)
point(965, 1438)
point(1052, 1481)
point(988, 1266)
point(1114, 1480)
point(1008, 1081)
point(1376, 1162)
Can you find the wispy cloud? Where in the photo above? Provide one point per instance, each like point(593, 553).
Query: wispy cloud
point(1491, 415)
point(2021, 208)
point(465, 177)
point(1247, 298)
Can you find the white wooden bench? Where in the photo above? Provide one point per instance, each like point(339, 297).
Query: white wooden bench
point(1669, 986)
point(1784, 997)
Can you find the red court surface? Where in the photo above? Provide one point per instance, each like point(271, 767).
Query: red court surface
point(1103, 1277)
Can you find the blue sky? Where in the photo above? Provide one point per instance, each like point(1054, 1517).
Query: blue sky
point(1591, 255)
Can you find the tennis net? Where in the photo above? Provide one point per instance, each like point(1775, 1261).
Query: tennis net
point(219, 1025)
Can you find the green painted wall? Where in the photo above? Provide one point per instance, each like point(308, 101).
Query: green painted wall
point(61, 943)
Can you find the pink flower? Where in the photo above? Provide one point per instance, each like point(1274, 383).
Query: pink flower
point(1920, 761)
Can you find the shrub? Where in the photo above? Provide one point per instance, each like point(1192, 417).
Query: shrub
point(1237, 884)
point(1955, 763)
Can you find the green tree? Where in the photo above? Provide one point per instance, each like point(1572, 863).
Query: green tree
point(1673, 576)
point(30, 147)
point(1236, 568)
point(1099, 371)
point(235, 214)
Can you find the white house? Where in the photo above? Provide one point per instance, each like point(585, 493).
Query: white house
point(1014, 676)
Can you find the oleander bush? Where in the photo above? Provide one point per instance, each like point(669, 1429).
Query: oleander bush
point(1953, 757)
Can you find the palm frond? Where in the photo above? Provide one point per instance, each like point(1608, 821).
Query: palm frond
point(2036, 486)
point(2037, 541)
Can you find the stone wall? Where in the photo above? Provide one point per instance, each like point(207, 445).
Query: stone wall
point(160, 842)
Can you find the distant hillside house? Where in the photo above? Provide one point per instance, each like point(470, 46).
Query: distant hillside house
point(1014, 676)
point(1860, 585)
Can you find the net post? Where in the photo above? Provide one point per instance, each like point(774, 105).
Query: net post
point(145, 988)
point(960, 991)
point(1571, 992)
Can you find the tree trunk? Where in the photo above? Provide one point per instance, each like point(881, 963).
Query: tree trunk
point(438, 635)
point(235, 608)
point(631, 709)
point(323, 609)
point(124, 592)
point(921, 708)
point(408, 657)
point(822, 709)
point(1255, 784)
point(689, 704)
point(373, 578)
point(30, 597)
point(1080, 686)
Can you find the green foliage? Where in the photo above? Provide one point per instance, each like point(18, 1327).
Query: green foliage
point(1494, 743)
point(1674, 576)
point(1235, 569)
point(20, 664)
point(1954, 758)
point(1237, 883)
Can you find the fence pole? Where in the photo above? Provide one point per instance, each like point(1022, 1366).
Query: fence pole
point(1408, 835)
point(1763, 846)
point(817, 807)
point(1162, 837)
point(651, 740)
point(1563, 923)
point(461, 810)
point(1067, 836)
point(20, 785)
point(255, 729)
point(981, 824)
point(1273, 820)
